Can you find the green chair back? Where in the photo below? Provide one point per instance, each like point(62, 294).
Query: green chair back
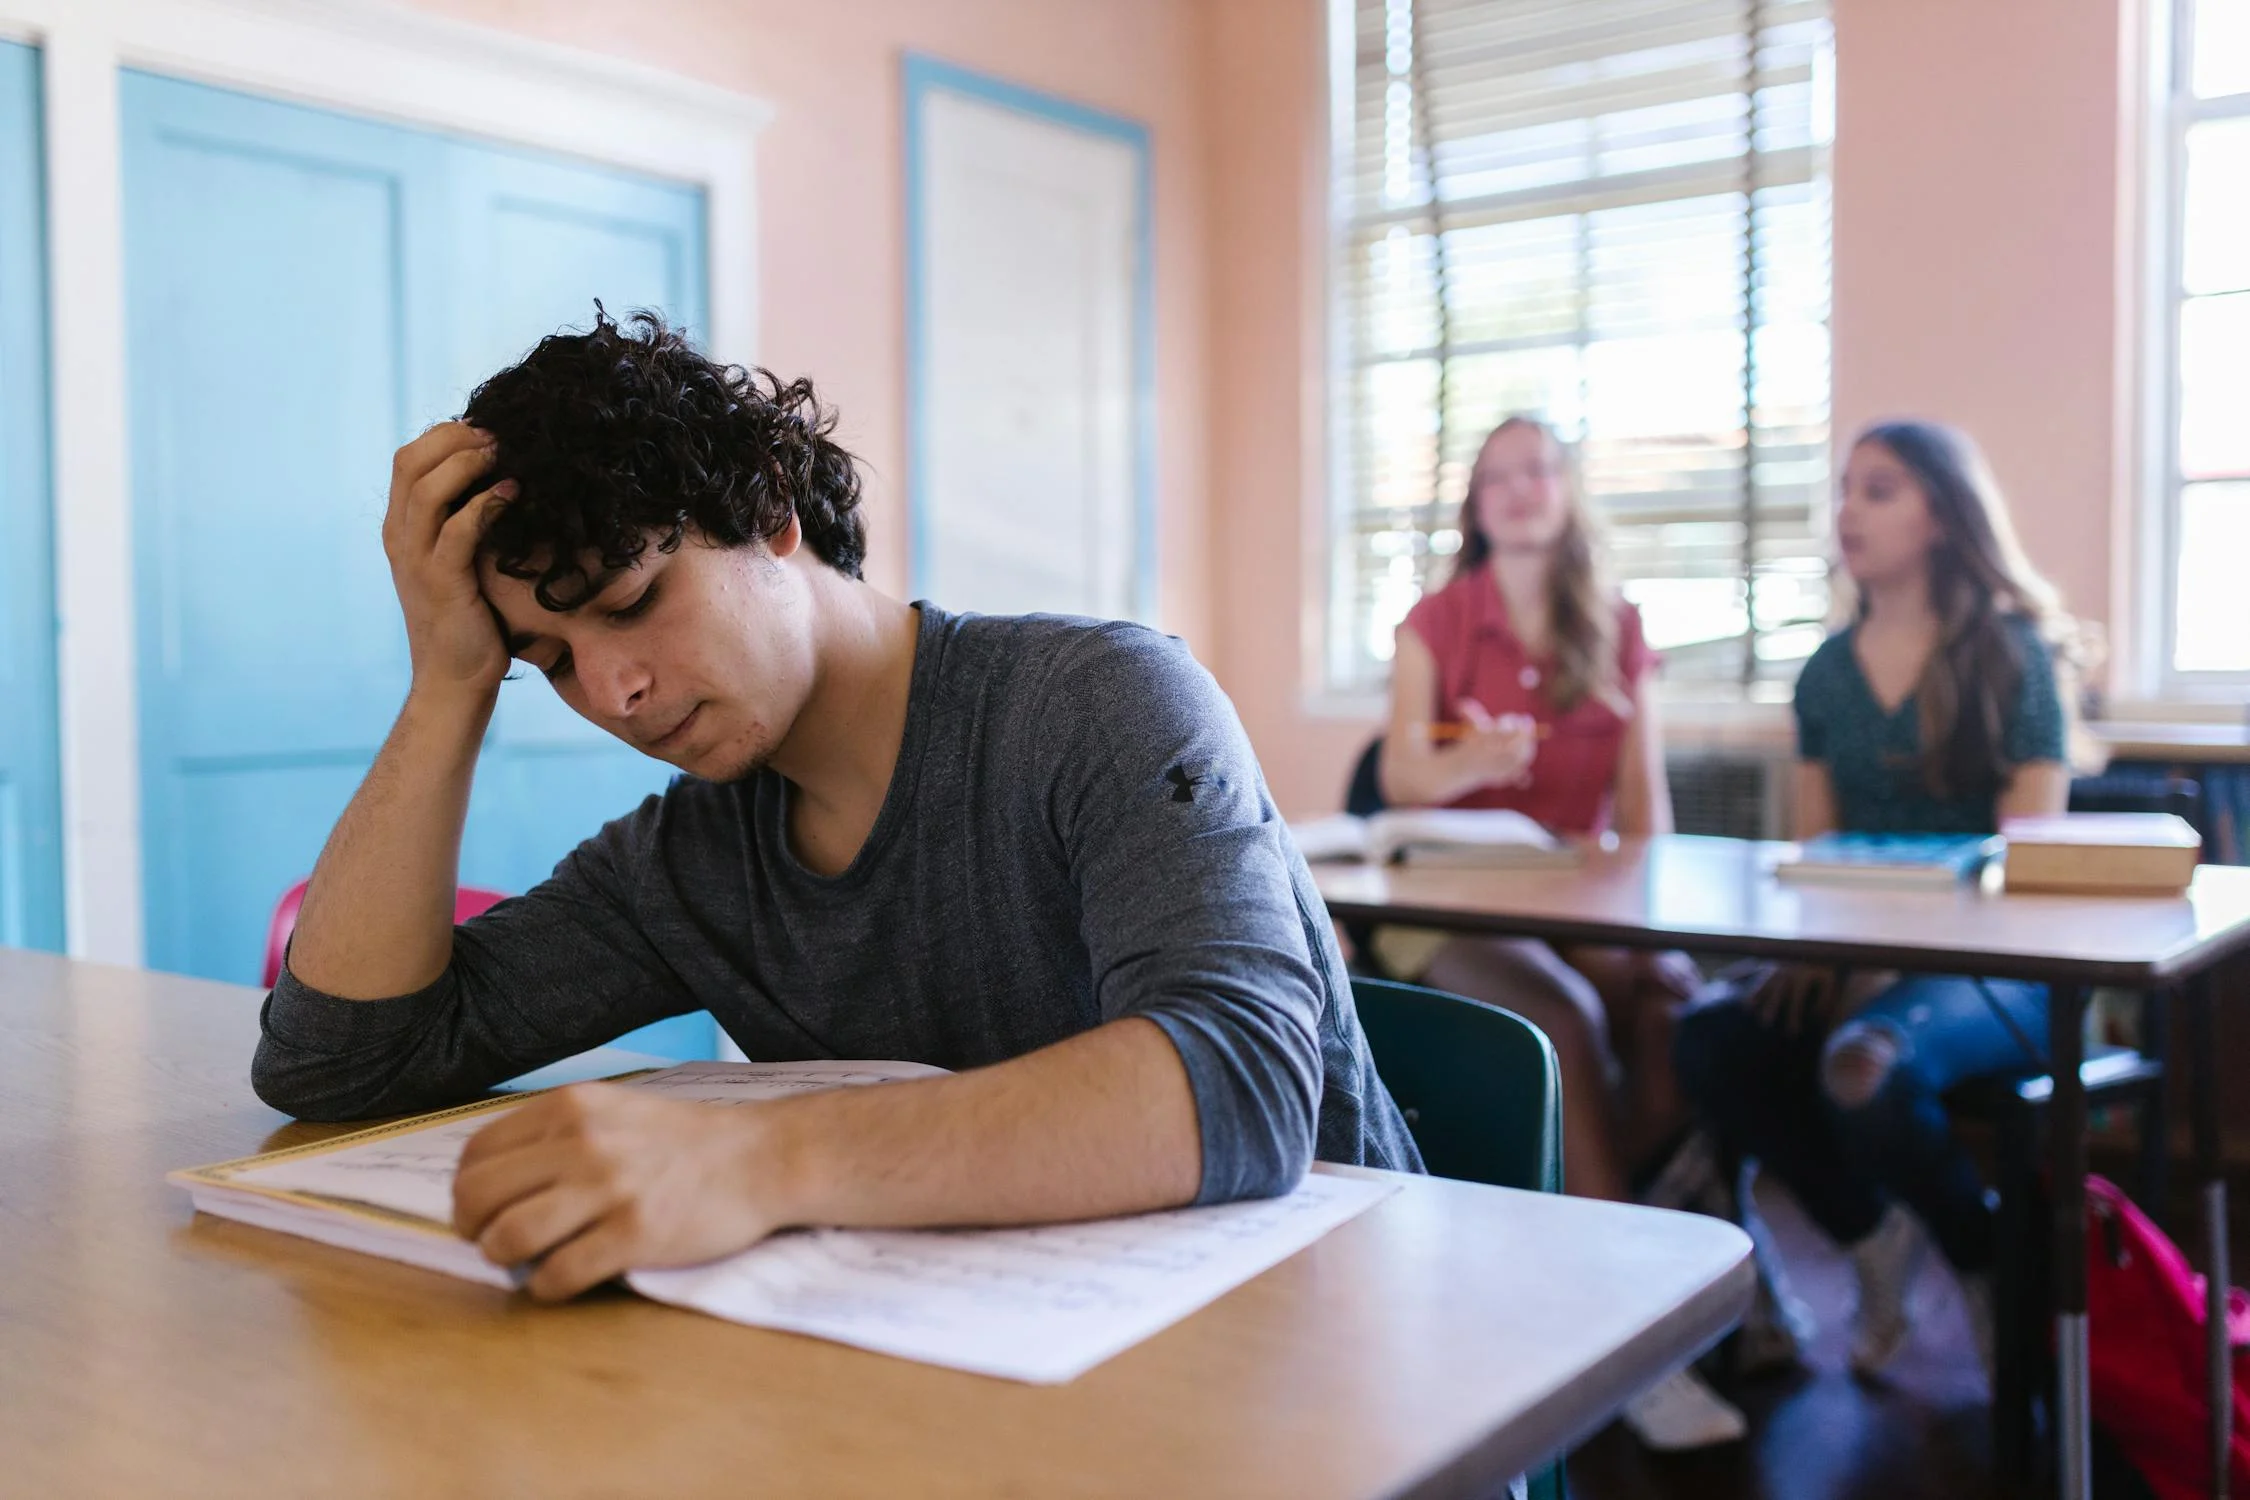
point(1479, 1085)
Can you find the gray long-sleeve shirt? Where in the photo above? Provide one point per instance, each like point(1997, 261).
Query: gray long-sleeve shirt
point(1077, 831)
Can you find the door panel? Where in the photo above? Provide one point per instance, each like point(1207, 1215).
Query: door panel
point(271, 255)
point(538, 240)
point(306, 291)
point(1026, 233)
point(31, 898)
point(534, 236)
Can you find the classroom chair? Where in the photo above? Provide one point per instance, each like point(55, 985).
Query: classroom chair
point(1481, 1092)
point(468, 902)
point(1363, 798)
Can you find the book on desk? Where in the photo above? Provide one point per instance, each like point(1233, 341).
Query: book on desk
point(1041, 1303)
point(2119, 854)
point(1896, 861)
point(2115, 854)
point(1445, 837)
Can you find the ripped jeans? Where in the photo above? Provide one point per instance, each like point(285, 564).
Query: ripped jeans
point(1852, 1118)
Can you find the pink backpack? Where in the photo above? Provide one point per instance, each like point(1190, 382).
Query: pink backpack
point(2144, 1318)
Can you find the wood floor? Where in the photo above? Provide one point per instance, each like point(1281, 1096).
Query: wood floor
point(1818, 1434)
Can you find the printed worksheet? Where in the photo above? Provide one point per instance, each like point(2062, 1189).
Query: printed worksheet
point(1042, 1304)
point(411, 1172)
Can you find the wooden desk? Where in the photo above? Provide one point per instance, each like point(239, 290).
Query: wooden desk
point(1448, 1338)
point(1720, 896)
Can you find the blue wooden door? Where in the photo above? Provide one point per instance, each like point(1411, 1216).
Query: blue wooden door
point(536, 240)
point(31, 899)
point(306, 290)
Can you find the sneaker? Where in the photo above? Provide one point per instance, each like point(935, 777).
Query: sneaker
point(1885, 1263)
point(1681, 1412)
point(1976, 1301)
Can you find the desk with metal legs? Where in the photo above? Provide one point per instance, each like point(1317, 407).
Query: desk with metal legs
point(1721, 896)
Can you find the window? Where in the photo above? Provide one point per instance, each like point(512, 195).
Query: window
point(2206, 406)
point(1613, 214)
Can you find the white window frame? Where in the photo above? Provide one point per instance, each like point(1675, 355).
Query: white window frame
point(359, 56)
point(2147, 672)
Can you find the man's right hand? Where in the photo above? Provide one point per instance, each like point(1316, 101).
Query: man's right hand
point(455, 643)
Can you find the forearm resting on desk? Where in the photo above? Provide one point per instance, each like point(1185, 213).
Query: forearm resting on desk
point(594, 1181)
point(1103, 1123)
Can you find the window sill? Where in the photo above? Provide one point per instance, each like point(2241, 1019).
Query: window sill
point(2178, 743)
point(2219, 708)
point(1708, 726)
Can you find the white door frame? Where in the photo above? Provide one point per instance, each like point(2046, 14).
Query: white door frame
point(361, 56)
point(924, 76)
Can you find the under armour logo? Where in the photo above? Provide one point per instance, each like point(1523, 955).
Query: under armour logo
point(1183, 785)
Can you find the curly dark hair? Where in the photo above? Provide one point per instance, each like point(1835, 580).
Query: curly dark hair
point(626, 435)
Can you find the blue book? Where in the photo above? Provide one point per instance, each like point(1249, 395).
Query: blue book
point(1912, 860)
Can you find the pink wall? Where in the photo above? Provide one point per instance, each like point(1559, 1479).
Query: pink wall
point(1269, 466)
point(1980, 275)
point(831, 197)
point(1980, 269)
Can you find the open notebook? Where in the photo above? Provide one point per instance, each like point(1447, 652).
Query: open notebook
point(1040, 1304)
point(1447, 836)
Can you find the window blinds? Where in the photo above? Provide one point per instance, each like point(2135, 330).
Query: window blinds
point(1578, 209)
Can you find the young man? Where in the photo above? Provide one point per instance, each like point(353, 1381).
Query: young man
point(1036, 849)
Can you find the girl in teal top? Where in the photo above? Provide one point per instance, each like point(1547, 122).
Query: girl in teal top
point(1935, 711)
point(1876, 775)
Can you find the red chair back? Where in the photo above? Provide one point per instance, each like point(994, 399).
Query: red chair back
point(468, 901)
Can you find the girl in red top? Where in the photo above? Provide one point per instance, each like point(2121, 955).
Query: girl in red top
point(1524, 684)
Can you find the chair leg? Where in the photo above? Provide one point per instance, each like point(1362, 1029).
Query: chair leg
point(2015, 1300)
point(2154, 1121)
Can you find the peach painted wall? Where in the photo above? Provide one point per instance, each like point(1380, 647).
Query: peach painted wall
point(1982, 198)
point(831, 198)
point(1984, 260)
point(1269, 463)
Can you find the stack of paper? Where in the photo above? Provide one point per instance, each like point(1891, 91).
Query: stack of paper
point(1037, 1304)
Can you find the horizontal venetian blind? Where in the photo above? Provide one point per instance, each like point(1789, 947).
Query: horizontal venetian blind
point(1612, 214)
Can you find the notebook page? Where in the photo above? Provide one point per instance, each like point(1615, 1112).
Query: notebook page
point(1040, 1304)
point(412, 1171)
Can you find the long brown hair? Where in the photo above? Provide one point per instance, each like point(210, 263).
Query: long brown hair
point(1581, 604)
point(1980, 580)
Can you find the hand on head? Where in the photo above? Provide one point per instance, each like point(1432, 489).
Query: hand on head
point(431, 535)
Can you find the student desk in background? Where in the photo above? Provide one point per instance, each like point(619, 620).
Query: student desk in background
point(1720, 896)
point(1446, 1339)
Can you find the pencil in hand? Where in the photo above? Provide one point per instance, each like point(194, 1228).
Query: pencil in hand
point(1436, 732)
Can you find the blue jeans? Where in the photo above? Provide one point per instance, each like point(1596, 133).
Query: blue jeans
point(1762, 1088)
